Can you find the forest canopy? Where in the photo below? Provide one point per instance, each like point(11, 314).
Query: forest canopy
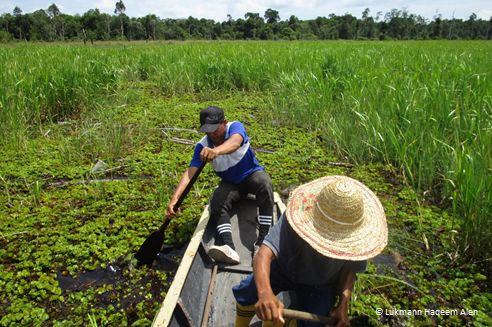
point(52, 25)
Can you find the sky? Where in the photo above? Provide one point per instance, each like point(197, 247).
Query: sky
point(303, 9)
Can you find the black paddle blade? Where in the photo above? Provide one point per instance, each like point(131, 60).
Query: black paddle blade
point(151, 247)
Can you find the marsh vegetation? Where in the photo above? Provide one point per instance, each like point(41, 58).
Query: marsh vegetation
point(413, 119)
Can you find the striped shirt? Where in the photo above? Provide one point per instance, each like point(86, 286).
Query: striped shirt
point(234, 167)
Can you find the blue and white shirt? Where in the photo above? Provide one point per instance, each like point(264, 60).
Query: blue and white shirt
point(234, 167)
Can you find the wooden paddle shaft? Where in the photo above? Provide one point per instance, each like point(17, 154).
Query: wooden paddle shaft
point(189, 186)
point(152, 245)
point(183, 195)
point(311, 317)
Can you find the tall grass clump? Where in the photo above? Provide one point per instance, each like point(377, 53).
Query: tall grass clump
point(50, 83)
point(424, 107)
point(204, 66)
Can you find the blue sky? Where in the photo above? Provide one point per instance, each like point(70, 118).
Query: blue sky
point(303, 9)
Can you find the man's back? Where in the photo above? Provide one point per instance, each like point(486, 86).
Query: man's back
point(301, 263)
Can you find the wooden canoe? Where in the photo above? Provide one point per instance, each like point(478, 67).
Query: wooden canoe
point(201, 292)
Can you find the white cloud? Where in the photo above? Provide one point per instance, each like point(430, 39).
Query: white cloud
point(219, 9)
point(106, 5)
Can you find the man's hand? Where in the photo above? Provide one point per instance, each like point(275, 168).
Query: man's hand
point(208, 154)
point(183, 182)
point(345, 285)
point(340, 314)
point(170, 210)
point(269, 308)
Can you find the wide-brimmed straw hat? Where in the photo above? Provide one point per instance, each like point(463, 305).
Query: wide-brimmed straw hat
point(339, 217)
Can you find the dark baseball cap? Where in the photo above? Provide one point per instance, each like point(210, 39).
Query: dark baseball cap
point(210, 119)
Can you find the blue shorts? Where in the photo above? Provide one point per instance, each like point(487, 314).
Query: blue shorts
point(308, 298)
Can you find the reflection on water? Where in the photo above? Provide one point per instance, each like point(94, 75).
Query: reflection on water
point(110, 275)
point(167, 260)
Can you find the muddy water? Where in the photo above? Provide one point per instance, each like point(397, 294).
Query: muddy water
point(167, 260)
point(170, 257)
point(110, 275)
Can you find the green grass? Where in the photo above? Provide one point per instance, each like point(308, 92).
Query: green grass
point(414, 118)
point(48, 84)
point(424, 107)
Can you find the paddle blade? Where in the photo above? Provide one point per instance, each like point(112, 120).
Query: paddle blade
point(152, 245)
point(150, 248)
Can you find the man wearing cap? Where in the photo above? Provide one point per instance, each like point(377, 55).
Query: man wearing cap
point(226, 145)
point(331, 226)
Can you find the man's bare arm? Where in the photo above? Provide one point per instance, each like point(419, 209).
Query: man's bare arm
point(345, 287)
point(185, 179)
point(229, 146)
point(268, 306)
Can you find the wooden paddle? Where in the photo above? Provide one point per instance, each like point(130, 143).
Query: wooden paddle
point(311, 317)
point(152, 245)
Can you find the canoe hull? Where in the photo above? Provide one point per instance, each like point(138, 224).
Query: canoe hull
point(196, 289)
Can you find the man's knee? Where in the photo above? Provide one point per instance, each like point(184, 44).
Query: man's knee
point(245, 292)
point(262, 178)
point(217, 200)
point(222, 198)
point(263, 183)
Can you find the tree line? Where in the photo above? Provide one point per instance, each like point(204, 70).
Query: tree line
point(52, 25)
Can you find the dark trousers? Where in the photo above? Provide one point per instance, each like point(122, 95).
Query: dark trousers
point(309, 298)
point(258, 183)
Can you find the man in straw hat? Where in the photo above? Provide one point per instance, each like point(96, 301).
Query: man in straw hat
point(226, 145)
point(332, 225)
